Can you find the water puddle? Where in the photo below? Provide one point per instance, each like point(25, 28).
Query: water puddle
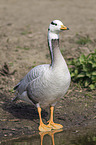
point(57, 137)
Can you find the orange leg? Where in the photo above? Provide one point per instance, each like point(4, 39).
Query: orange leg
point(42, 126)
point(42, 134)
point(51, 122)
point(51, 133)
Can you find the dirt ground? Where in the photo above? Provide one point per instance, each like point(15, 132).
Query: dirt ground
point(23, 45)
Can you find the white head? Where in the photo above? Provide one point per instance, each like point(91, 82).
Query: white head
point(55, 27)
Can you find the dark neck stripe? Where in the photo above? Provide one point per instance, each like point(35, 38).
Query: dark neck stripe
point(55, 43)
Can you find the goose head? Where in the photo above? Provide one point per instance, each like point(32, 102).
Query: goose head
point(55, 27)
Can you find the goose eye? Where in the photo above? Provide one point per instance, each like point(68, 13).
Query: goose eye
point(53, 23)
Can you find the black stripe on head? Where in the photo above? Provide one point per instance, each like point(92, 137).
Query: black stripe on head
point(53, 23)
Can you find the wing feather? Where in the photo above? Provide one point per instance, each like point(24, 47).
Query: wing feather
point(30, 76)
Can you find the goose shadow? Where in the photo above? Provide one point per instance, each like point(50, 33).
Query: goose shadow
point(21, 110)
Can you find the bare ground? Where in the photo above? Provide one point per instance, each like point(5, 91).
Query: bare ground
point(23, 45)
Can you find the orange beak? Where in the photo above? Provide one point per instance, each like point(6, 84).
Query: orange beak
point(64, 27)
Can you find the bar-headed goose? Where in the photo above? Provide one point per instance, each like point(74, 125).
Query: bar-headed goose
point(46, 83)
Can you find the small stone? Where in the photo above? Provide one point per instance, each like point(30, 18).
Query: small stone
point(5, 135)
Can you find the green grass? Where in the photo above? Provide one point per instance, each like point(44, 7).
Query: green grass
point(83, 70)
point(83, 40)
point(26, 32)
point(24, 48)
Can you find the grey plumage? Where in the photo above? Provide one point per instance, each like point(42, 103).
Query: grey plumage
point(44, 84)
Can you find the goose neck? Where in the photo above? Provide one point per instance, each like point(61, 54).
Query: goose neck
point(53, 43)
